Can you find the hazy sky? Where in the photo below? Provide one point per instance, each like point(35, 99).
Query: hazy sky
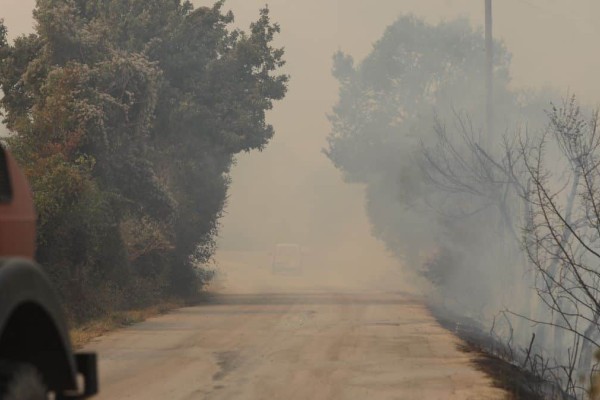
point(290, 190)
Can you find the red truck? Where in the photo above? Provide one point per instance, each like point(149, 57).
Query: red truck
point(36, 358)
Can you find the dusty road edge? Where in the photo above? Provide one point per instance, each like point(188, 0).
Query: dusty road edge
point(84, 333)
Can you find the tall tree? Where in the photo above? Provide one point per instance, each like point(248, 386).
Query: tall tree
point(127, 115)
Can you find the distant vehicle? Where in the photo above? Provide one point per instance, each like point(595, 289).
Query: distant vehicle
point(287, 259)
point(36, 359)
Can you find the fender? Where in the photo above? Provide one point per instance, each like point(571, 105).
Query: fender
point(17, 213)
point(32, 324)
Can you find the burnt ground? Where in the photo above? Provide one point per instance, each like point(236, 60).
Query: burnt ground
point(492, 357)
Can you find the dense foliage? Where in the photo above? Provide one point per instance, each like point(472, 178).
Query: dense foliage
point(126, 115)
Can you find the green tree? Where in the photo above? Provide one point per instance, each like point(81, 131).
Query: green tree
point(127, 115)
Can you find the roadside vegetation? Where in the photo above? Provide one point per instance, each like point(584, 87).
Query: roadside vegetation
point(126, 117)
point(87, 331)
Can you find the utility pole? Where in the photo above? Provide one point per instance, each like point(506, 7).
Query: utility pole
point(489, 78)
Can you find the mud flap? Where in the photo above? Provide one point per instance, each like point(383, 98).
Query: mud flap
point(87, 366)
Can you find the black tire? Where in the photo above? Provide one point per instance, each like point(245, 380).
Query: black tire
point(20, 381)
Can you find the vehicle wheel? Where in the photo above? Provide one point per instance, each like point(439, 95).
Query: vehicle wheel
point(20, 381)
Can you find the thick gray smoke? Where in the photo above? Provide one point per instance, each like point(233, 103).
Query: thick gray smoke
point(291, 192)
point(479, 257)
point(456, 203)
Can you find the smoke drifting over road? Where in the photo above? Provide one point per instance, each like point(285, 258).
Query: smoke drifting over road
point(477, 264)
point(291, 192)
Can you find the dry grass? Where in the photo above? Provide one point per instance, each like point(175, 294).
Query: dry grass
point(83, 334)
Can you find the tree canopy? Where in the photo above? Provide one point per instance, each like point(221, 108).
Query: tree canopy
point(126, 116)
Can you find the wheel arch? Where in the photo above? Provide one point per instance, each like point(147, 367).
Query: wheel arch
point(32, 325)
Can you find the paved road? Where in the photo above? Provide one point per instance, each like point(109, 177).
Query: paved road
point(299, 345)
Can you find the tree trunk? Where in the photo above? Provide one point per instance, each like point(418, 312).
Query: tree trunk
point(559, 322)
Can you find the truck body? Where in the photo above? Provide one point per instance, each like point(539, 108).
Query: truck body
point(34, 338)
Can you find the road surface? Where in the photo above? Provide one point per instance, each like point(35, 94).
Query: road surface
point(302, 344)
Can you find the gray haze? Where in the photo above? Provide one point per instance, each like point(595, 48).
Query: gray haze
point(291, 189)
point(291, 192)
